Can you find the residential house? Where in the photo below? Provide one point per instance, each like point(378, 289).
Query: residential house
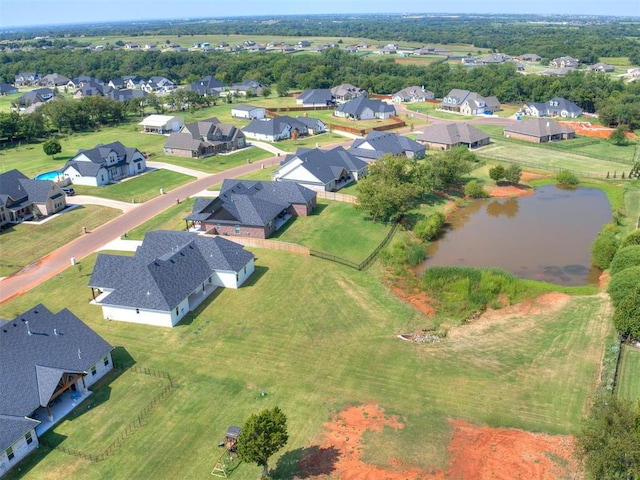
point(170, 274)
point(412, 94)
point(303, 44)
point(538, 130)
point(494, 59)
point(27, 199)
point(27, 79)
point(363, 108)
point(558, 72)
point(469, 103)
point(158, 84)
point(316, 97)
point(376, 144)
point(87, 89)
point(314, 126)
point(324, 170)
point(131, 82)
point(54, 80)
point(247, 88)
point(389, 49)
point(251, 208)
point(131, 46)
point(207, 86)
point(204, 138)
point(556, 107)
point(48, 361)
point(469, 61)
point(248, 111)
point(77, 82)
point(6, 89)
point(451, 135)
point(104, 164)
point(275, 129)
point(561, 62)
point(530, 57)
point(126, 95)
point(161, 124)
point(36, 96)
point(346, 92)
point(601, 67)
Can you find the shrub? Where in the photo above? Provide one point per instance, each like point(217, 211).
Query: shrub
point(603, 249)
point(429, 228)
point(402, 253)
point(627, 315)
point(496, 173)
point(513, 173)
point(624, 258)
point(474, 189)
point(632, 239)
point(622, 284)
point(566, 177)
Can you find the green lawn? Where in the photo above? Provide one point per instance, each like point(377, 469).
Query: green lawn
point(316, 337)
point(431, 109)
point(336, 228)
point(628, 383)
point(137, 189)
point(310, 141)
point(217, 163)
point(171, 219)
point(24, 244)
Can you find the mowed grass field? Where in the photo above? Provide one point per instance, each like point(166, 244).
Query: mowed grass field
point(24, 244)
point(628, 381)
point(316, 337)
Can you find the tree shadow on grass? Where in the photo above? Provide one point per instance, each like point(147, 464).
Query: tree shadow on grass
point(306, 463)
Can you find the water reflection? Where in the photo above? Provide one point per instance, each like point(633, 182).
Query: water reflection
point(546, 236)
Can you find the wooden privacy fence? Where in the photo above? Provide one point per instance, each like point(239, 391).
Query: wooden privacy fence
point(269, 244)
point(338, 197)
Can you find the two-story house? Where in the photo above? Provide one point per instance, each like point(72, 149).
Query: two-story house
point(204, 138)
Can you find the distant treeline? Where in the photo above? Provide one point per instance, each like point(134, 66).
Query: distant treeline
point(587, 39)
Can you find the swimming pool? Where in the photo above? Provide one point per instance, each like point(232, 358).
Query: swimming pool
point(52, 175)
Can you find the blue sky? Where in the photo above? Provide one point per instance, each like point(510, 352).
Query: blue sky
point(38, 12)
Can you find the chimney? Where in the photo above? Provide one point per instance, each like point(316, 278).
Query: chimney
point(26, 322)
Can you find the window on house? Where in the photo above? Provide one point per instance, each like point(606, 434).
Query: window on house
point(177, 311)
point(106, 361)
point(93, 371)
point(10, 454)
point(28, 438)
point(137, 310)
point(237, 229)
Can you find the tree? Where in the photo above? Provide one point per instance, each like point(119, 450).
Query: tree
point(261, 436)
point(623, 284)
point(51, 147)
point(566, 177)
point(474, 189)
point(603, 249)
point(609, 439)
point(626, 317)
point(445, 169)
point(389, 190)
point(496, 173)
point(513, 173)
point(619, 135)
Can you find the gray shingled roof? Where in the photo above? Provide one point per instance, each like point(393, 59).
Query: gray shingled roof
point(207, 85)
point(31, 365)
point(182, 141)
point(382, 143)
point(99, 153)
point(326, 165)
point(166, 269)
point(452, 134)
point(16, 186)
point(356, 106)
point(251, 203)
point(86, 169)
point(14, 428)
point(316, 96)
point(274, 126)
point(538, 127)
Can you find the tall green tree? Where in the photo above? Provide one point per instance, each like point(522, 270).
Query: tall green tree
point(610, 440)
point(262, 435)
point(626, 317)
point(52, 147)
point(513, 173)
point(496, 173)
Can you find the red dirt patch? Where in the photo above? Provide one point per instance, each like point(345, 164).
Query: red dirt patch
point(588, 129)
point(418, 300)
point(476, 453)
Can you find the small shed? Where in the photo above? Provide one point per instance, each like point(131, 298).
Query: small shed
point(161, 124)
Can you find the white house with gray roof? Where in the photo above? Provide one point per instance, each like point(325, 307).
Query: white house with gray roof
point(316, 97)
point(47, 363)
point(469, 103)
point(170, 274)
point(376, 144)
point(104, 164)
point(363, 108)
point(248, 111)
point(412, 94)
point(556, 107)
point(275, 129)
point(317, 169)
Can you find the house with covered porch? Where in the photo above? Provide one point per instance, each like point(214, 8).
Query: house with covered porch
point(25, 199)
point(48, 361)
point(253, 209)
point(204, 138)
point(170, 274)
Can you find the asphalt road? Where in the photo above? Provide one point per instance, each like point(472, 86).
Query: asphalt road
point(58, 260)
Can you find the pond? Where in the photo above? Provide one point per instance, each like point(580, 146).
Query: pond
point(545, 236)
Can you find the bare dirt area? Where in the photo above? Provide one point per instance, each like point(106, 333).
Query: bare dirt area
point(589, 129)
point(475, 453)
point(508, 190)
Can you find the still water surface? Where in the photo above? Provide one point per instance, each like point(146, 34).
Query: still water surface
point(545, 236)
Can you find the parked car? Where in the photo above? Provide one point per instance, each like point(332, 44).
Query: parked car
point(69, 192)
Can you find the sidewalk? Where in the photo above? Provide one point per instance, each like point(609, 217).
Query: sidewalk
point(104, 202)
point(176, 168)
